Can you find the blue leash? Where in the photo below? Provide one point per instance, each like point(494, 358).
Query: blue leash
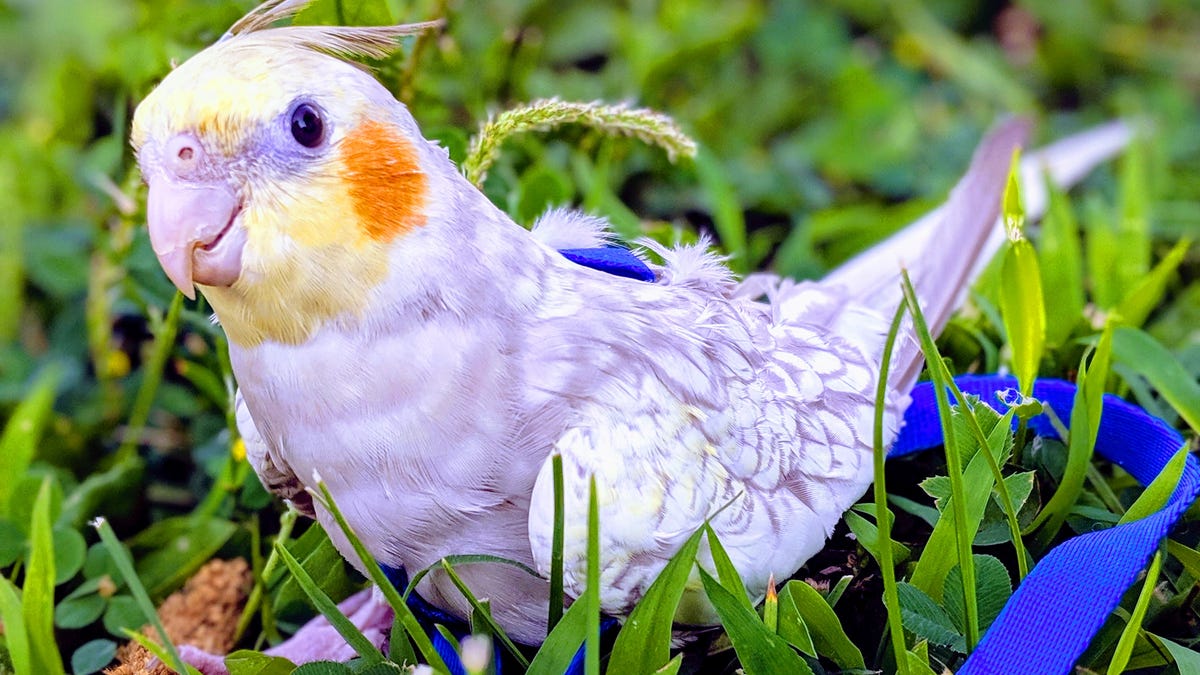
point(1062, 604)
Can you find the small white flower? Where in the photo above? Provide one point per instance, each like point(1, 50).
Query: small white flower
point(476, 653)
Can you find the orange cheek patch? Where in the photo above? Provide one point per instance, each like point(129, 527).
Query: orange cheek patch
point(386, 185)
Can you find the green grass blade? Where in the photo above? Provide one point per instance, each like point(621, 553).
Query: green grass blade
point(1188, 557)
point(1023, 309)
point(727, 574)
point(1085, 424)
point(1133, 221)
point(1007, 505)
point(940, 554)
point(867, 535)
point(1061, 265)
point(156, 650)
point(1021, 302)
point(771, 607)
point(329, 609)
point(793, 629)
point(247, 662)
point(825, 628)
point(644, 642)
point(400, 648)
point(954, 468)
point(838, 589)
point(124, 564)
point(1137, 350)
point(562, 643)
point(887, 566)
point(23, 430)
point(918, 659)
point(556, 546)
point(286, 522)
point(728, 219)
point(484, 613)
point(591, 594)
point(1148, 293)
point(1159, 491)
point(464, 559)
point(449, 638)
point(16, 638)
point(1012, 210)
point(1186, 660)
point(1134, 626)
point(672, 667)
point(12, 235)
point(37, 598)
point(1103, 249)
point(164, 331)
point(403, 614)
point(758, 649)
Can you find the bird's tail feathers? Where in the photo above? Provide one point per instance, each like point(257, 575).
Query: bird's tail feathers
point(939, 250)
point(946, 249)
point(875, 273)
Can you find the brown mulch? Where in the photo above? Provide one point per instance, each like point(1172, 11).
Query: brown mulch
point(203, 613)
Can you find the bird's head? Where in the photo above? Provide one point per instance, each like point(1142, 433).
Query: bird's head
point(279, 174)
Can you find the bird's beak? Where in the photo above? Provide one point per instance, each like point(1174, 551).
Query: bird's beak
point(194, 232)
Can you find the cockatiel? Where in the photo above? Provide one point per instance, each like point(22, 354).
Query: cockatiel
point(394, 331)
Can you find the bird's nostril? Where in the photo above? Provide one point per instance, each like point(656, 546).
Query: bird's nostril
point(183, 155)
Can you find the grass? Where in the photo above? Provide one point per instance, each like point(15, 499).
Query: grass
point(811, 121)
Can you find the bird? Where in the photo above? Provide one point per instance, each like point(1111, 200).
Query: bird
point(395, 333)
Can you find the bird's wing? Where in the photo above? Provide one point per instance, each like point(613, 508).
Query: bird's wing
point(761, 426)
point(276, 479)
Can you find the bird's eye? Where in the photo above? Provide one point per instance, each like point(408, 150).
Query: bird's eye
point(307, 126)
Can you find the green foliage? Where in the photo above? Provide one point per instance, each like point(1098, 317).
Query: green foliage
point(1085, 425)
point(644, 643)
point(140, 601)
point(884, 553)
point(758, 649)
point(1144, 355)
point(1129, 634)
point(23, 431)
point(1061, 265)
point(349, 632)
point(961, 529)
point(929, 620)
point(1021, 302)
point(819, 129)
point(37, 595)
point(802, 606)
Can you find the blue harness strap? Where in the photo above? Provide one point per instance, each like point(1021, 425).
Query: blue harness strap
point(1062, 604)
point(611, 259)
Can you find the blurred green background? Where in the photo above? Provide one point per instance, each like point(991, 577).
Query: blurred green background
point(822, 126)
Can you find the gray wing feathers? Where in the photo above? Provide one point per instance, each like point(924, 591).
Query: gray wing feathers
point(278, 480)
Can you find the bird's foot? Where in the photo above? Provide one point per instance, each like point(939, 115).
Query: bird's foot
point(317, 640)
